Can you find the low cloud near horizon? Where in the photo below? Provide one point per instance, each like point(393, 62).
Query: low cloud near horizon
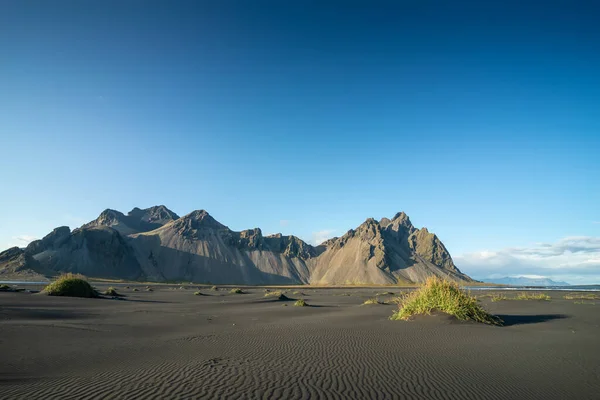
point(574, 259)
point(18, 241)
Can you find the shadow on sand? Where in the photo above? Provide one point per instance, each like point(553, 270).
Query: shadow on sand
point(510, 320)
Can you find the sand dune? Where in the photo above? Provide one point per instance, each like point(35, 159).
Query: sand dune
point(172, 344)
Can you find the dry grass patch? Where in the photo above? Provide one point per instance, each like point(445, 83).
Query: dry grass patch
point(446, 297)
point(236, 291)
point(70, 285)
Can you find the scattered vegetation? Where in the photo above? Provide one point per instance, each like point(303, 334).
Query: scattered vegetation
point(136, 289)
point(581, 296)
point(5, 288)
point(198, 293)
point(384, 294)
point(149, 290)
point(533, 296)
point(584, 302)
point(214, 288)
point(443, 296)
point(111, 291)
point(71, 285)
point(301, 303)
point(236, 291)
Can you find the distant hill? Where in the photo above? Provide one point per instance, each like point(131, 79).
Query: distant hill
point(155, 244)
point(522, 281)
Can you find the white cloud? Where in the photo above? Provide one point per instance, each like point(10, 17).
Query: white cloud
point(574, 259)
point(17, 241)
point(321, 236)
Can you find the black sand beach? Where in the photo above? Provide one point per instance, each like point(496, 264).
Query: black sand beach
point(170, 343)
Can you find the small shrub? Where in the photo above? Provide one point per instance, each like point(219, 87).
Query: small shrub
point(5, 288)
point(373, 300)
point(532, 296)
point(149, 290)
point(198, 293)
point(385, 294)
point(136, 289)
point(443, 296)
point(301, 303)
point(214, 288)
point(236, 291)
point(70, 285)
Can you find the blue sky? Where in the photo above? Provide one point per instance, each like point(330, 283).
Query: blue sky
point(481, 121)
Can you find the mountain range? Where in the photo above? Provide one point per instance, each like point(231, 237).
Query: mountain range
point(155, 244)
point(524, 281)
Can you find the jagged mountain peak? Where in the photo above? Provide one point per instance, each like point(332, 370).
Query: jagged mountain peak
point(152, 214)
point(156, 244)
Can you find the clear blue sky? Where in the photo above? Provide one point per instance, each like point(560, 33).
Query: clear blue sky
point(480, 120)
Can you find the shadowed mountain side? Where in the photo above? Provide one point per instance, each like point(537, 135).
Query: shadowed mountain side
point(210, 261)
point(99, 252)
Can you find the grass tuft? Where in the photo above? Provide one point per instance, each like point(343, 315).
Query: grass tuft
point(373, 300)
point(499, 297)
point(70, 285)
point(279, 295)
point(111, 291)
point(385, 294)
point(301, 303)
point(136, 289)
point(198, 293)
point(214, 288)
point(236, 291)
point(443, 296)
point(5, 288)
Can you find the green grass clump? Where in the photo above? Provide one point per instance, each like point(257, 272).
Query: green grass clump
point(301, 303)
point(214, 288)
point(4, 287)
point(70, 285)
point(443, 296)
point(149, 290)
point(384, 294)
point(373, 300)
point(236, 291)
point(532, 296)
point(111, 291)
point(136, 289)
point(198, 293)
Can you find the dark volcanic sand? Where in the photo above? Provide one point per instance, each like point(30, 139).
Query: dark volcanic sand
point(172, 344)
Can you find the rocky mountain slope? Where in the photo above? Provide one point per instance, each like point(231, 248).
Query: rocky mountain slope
point(156, 244)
